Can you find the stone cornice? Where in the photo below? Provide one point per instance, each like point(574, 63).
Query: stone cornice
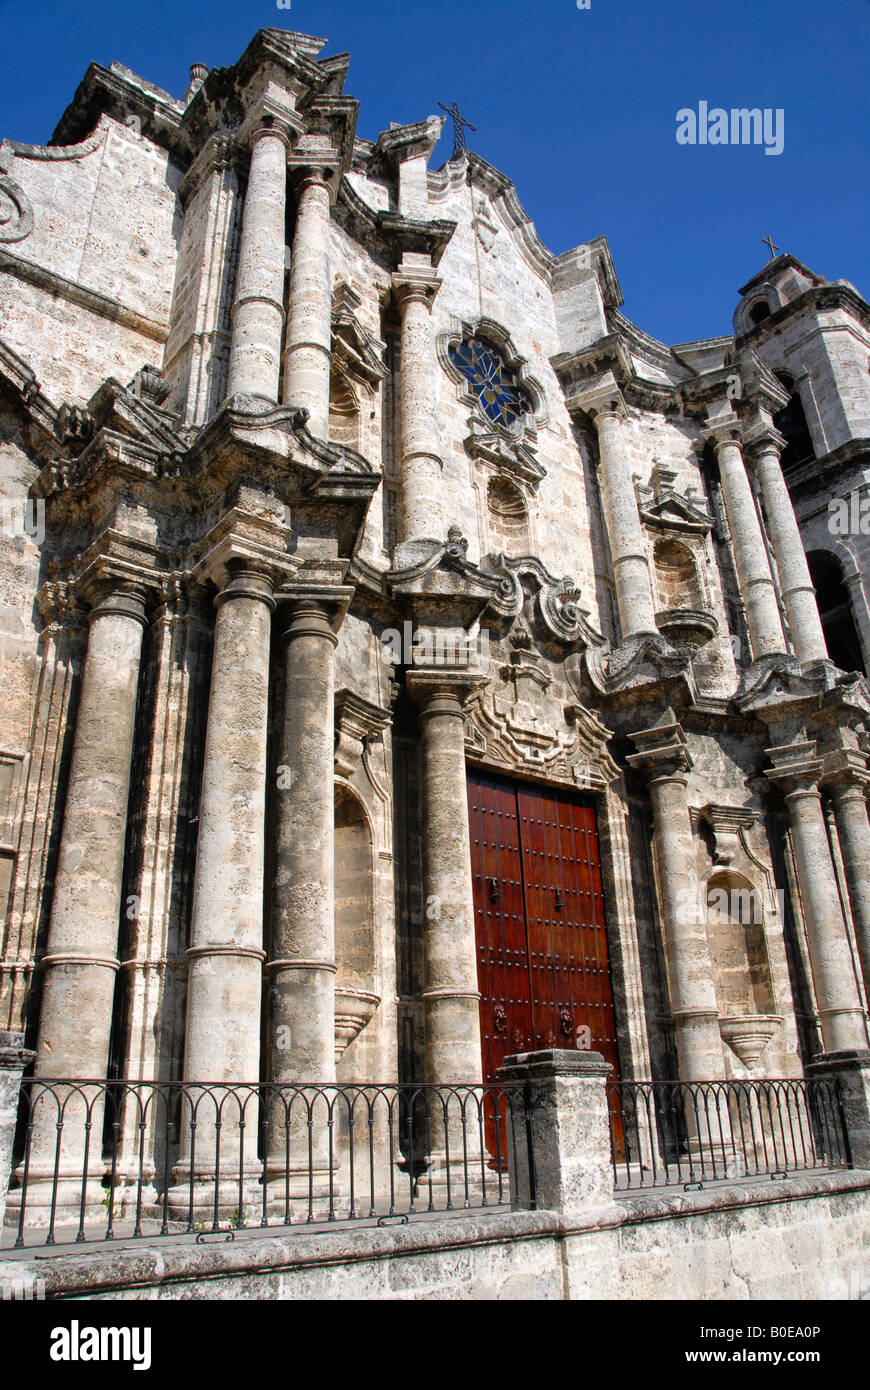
point(414, 236)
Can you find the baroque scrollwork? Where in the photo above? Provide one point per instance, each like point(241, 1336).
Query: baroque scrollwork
point(557, 601)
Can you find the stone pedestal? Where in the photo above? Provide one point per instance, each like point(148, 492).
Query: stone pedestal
point(450, 987)
point(628, 552)
point(565, 1104)
point(841, 1015)
point(258, 311)
point(664, 757)
point(852, 1070)
point(14, 1057)
point(421, 464)
point(750, 556)
point(798, 593)
point(308, 353)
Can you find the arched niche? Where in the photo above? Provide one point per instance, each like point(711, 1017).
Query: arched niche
point(356, 998)
point(507, 517)
point(676, 576)
point(735, 928)
point(344, 414)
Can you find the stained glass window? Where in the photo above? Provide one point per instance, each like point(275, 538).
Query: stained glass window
point(501, 398)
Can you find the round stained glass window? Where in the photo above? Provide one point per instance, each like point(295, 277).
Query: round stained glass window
point(500, 397)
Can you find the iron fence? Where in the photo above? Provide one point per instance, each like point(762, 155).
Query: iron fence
point(100, 1160)
point(690, 1134)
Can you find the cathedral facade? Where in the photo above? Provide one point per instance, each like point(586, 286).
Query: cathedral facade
point(407, 661)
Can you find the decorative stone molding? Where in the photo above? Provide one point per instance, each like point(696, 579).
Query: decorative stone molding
point(357, 722)
point(16, 211)
point(356, 353)
point(663, 508)
point(557, 602)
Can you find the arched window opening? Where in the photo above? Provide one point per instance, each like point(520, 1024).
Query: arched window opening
point(835, 611)
point(792, 425)
point(758, 312)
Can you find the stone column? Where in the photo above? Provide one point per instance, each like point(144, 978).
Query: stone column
point(301, 967)
point(81, 960)
point(450, 985)
point(308, 353)
point(665, 759)
point(804, 622)
point(753, 571)
point(14, 1057)
point(628, 551)
point(258, 311)
point(838, 1001)
point(421, 466)
point(226, 935)
point(564, 1105)
point(847, 783)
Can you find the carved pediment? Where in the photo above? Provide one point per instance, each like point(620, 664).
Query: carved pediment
point(663, 507)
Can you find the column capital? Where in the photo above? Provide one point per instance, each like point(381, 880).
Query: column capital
point(796, 768)
point(241, 540)
point(663, 752)
point(601, 400)
point(119, 598)
point(313, 175)
point(760, 438)
point(845, 770)
point(269, 117)
point(440, 690)
point(244, 581)
point(313, 609)
point(415, 285)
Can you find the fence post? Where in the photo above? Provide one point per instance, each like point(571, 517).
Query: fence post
point(14, 1057)
point(568, 1134)
point(852, 1070)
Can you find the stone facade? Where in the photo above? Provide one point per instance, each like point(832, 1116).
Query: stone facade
point(244, 459)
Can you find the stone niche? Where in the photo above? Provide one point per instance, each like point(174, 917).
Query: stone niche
point(356, 999)
point(741, 967)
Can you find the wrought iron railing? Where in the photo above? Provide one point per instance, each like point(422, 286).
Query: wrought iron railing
point(98, 1160)
point(669, 1134)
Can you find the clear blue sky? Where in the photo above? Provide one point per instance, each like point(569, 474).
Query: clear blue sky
point(578, 107)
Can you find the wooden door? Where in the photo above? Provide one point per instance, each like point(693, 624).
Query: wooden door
point(542, 960)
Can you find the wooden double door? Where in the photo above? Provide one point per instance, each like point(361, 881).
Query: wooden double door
point(542, 962)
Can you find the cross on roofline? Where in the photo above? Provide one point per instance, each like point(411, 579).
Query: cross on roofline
point(459, 124)
point(769, 241)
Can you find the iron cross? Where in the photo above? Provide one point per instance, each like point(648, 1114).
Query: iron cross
point(459, 124)
point(769, 241)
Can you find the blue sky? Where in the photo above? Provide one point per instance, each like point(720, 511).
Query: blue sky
point(578, 107)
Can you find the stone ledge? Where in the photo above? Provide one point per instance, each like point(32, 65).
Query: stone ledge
point(72, 1273)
